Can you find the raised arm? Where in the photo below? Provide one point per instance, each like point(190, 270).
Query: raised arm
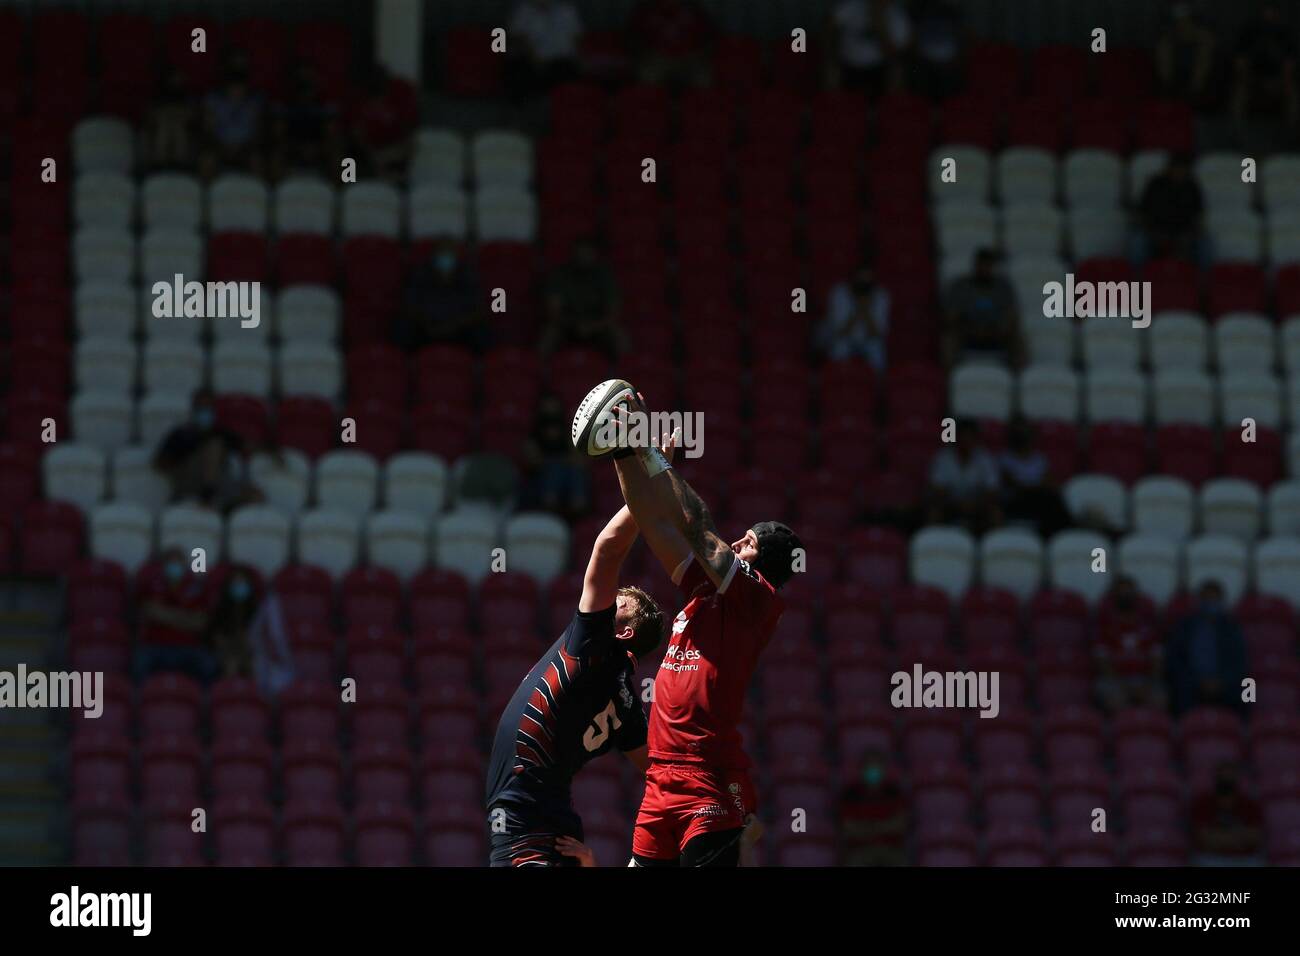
point(600, 585)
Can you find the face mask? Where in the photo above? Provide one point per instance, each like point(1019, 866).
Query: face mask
point(205, 418)
point(873, 775)
point(445, 262)
point(174, 571)
point(240, 590)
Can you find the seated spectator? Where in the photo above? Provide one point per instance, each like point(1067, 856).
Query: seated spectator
point(873, 817)
point(381, 123)
point(964, 483)
point(169, 134)
point(558, 476)
point(939, 42)
point(543, 45)
point(1128, 656)
point(1207, 656)
point(1227, 824)
point(234, 118)
point(175, 604)
point(869, 39)
point(672, 41)
point(980, 315)
point(307, 132)
point(204, 462)
point(1169, 214)
point(1184, 55)
point(441, 303)
point(1028, 493)
point(857, 320)
point(1264, 77)
point(582, 304)
point(247, 632)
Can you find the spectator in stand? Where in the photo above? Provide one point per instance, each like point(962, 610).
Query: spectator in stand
point(964, 483)
point(869, 40)
point(205, 462)
point(1227, 824)
point(170, 134)
point(441, 304)
point(175, 606)
point(672, 41)
point(873, 816)
point(857, 320)
point(381, 123)
point(1128, 656)
point(247, 632)
point(543, 45)
point(1207, 656)
point(234, 121)
point(980, 315)
point(558, 477)
point(939, 47)
point(1028, 493)
point(1264, 69)
point(1184, 55)
point(582, 304)
point(1170, 213)
point(307, 133)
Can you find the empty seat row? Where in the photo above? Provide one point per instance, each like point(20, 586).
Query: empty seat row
point(105, 365)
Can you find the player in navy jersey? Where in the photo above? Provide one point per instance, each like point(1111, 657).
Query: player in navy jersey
point(577, 702)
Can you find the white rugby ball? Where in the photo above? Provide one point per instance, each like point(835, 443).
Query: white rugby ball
point(594, 412)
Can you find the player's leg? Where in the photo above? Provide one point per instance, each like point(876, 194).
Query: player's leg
point(655, 835)
point(714, 848)
point(719, 806)
point(514, 840)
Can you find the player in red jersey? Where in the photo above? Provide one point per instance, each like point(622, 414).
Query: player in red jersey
point(698, 794)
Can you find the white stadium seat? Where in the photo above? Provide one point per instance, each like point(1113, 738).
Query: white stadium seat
point(1070, 561)
point(1219, 174)
point(1030, 228)
point(1093, 178)
point(1276, 563)
point(463, 541)
point(1111, 344)
point(99, 252)
point(347, 480)
point(1238, 234)
point(1141, 167)
point(371, 209)
point(188, 526)
point(159, 413)
point(173, 365)
point(304, 205)
point(1282, 235)
point(1049, 393)
point(1155, 563)
point(502, 158)
point(436, 209)
point(171, 201)
point(1096, 232)
point(329, 540)
point(438, 157)
point(1163, 505)
point(1178, 340)
point(283, 479)
point(1289, 345)
point(1116, 395)
point(1284, 509)
point(238, 203)
point(972, 174)
point(1214, 557)
point(104, 199)
point(123, 532)
point(1050, 341)
point(310, 369)
point(1233, 507)
point(1012, 559)
point(1279, 180)
point(1243, 341)
point(1092, 497)
point(105, 364)
point(134, 479)
point(398, 541)
point(103, 143)
point(167, 251)
point(962, 226)
point(536, 544)
point(944, 558)
point(415, 482)
point(981, 391)
point(1246, 394)
point(101, 418)
point(107, 308)
point(504, 213)
point(1026, 174)
point(308, 313)
point(75, 473)
point(259, 535)
point(241, 367)
point(1183, 397)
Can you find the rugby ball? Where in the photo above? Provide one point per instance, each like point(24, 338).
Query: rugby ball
point(594, 412)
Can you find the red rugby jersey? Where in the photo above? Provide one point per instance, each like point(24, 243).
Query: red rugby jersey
point(715, 642)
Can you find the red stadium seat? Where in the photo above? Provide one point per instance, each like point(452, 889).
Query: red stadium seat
point(1237, 287)
point(51, 538)
point(470, 68)
point(305, 259)
point(1187, 452)
point(308, 424)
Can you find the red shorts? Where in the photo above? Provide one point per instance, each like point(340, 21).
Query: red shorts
point(682, 801)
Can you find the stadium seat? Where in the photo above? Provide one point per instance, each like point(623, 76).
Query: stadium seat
point(328, 539)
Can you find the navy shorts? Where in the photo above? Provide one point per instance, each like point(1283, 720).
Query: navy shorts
point(519, 839)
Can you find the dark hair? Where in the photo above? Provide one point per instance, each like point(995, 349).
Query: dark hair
point(776, 547)
point(646, 621)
